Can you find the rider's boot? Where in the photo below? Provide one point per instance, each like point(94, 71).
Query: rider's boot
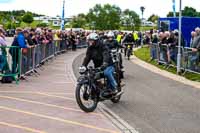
point(115, 91)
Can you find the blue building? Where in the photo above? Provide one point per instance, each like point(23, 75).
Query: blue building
point(188, 25)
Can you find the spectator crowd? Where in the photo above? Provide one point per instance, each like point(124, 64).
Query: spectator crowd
point(43, 41)
point(25, 39)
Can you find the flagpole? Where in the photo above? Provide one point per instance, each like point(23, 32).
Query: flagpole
point(174, 7)
point(62, 26)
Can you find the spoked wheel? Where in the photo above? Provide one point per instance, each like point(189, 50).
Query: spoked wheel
point(84, 98)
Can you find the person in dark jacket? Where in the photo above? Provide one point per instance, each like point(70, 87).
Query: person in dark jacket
point(72, 40)
point(172, 42)
point(99, 54)
point(113, 44)
point(128, 40)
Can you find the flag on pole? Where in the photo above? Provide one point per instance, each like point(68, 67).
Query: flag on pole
point(63, 17)
point(174, 7)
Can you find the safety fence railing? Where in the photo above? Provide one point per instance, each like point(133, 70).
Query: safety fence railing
point(167, 55)
point(17, 63)
point(10, 63)
point(41, 53)
point(191, 60)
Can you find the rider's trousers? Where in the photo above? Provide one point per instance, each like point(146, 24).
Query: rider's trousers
point(109, 73)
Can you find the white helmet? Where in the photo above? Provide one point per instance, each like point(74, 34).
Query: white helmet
point(110, 34)
point(92, 36)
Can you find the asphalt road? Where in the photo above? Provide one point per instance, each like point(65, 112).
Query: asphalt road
point(156, 104)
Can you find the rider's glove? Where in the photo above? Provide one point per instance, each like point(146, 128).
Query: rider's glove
point(103, 67)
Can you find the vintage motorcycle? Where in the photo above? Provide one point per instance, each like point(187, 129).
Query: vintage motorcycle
point(93, 86)
point(128, 49)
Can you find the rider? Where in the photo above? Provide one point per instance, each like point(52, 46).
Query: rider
point(113, 44)
point(98, 52)
point(129, 40)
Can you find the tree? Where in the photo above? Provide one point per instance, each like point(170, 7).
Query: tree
point(190, 12)
point(27, 18)
point(171, 14)
point(153, 18)
point(131, 19)
point(187, 12)
point(104, 17)
point(79, 21)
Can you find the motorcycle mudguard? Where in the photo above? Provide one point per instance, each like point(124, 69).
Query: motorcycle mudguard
point(82, 80)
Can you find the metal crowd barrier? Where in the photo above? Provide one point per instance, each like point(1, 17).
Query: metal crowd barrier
point(79, 44)
point(57, 47)
point(164, 54)
point(191, 60)
point(82, 44)
point(10, 62)
point(154, 51)
point(16, 62)
point(33, 58)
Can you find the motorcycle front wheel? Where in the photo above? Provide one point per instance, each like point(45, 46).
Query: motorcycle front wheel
point(84, 98)
point(129, 54)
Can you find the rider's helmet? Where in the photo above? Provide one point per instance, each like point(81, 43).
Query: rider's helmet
point(92, 36)
point(110, 35)
point(92, 39)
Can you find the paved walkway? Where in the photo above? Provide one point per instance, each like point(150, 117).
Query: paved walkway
point(46, 103)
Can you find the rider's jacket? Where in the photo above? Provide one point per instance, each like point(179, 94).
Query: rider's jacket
point(112, 44)
point(129, 39)
point(99, 54)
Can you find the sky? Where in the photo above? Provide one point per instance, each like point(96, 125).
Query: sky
point(73, 7)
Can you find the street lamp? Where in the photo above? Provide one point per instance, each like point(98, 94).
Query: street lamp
point(142, 8)
point(179, 40)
